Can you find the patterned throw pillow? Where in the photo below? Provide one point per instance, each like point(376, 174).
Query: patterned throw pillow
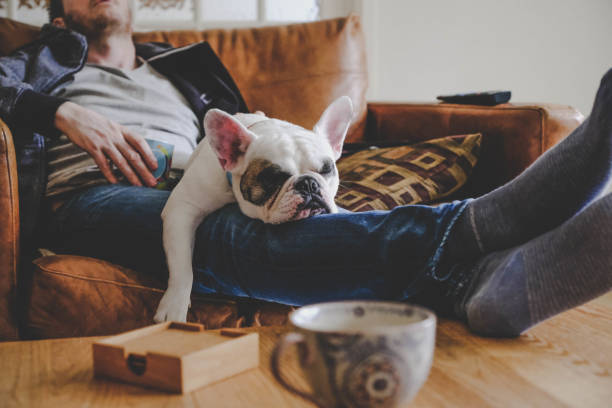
point(383, 178)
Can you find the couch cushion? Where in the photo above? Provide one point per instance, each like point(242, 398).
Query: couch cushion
point(514, 135)
point(80, 296)
point(14, 34)
point(383, 178)
point(290, 72)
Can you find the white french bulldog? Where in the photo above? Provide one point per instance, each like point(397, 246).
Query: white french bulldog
point(275, 170)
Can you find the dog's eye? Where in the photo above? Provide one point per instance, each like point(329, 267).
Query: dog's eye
point(328, 168)
point(272, 176)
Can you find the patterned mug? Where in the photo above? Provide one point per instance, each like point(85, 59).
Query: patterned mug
point(360, 353)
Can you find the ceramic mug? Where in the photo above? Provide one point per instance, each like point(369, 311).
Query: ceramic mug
point(360, 353)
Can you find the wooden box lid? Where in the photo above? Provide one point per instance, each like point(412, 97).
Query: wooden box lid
point(177, 357)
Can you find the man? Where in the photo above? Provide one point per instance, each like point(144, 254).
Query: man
point(502, 262)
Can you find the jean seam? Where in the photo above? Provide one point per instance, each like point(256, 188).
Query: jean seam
point(475, 229)
point(435, 260)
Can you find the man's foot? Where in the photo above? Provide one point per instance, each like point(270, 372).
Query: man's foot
point(554, 188)
point(512, 290)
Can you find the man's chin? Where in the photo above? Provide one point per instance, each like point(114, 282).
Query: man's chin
point(105, 21)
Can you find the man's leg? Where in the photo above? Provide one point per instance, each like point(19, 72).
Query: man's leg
point(514, 289)
point(375, 255)
point(372, 255)
point(550, 191)
point(117, 223)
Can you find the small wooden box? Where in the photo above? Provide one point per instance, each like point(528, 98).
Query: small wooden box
point(178, 357)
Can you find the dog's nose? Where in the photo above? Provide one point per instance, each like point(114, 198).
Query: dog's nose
point(307, 184)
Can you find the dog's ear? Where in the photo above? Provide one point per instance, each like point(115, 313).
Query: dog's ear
point(229, 139)
point(334, 123)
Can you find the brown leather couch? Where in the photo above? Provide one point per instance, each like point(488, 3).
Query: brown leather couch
point(291, 72)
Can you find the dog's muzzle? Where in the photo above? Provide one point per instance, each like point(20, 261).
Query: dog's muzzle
point(310, 190)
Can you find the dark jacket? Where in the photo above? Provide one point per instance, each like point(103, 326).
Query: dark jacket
point(29, 74)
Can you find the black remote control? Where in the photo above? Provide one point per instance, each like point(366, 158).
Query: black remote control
point(489, 98)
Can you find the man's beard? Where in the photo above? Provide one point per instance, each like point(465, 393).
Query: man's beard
point(99, 26)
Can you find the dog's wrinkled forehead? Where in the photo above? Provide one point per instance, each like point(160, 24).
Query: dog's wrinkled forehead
point(269, 126)
point(290, 146)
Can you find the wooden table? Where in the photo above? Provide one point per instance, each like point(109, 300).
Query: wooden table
point(566, 361)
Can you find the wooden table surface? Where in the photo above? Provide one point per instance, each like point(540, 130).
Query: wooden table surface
point(566, 361)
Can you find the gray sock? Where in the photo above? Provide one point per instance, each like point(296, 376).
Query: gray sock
point(555, 187)
point(514, 289)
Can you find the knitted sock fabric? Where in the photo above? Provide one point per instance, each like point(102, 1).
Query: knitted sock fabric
point(515, 289)
point(555, 187)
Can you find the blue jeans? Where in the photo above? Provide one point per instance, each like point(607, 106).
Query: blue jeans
point(391, 255)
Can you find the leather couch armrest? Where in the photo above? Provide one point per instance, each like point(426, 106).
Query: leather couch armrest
point(9, 236)
point(514, 135)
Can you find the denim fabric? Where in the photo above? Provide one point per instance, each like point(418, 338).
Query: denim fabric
point(38, 67)
point(389, 255)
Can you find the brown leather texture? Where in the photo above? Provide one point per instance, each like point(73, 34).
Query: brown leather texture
point(14, 34)
point(9, 236)
point(80, 296)
point(513, 135)
point(290, 72)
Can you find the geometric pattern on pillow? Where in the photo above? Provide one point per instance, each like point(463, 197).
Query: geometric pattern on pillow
point(383, 178)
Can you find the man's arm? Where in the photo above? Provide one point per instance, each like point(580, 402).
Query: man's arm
point(23, 108)
point(20, 106)
point(106, 140)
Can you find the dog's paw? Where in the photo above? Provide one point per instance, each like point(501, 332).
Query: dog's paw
point(173, 306)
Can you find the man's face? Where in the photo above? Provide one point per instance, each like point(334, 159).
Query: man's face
point(95, 17)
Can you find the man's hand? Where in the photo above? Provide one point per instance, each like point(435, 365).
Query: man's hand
point(106, 140)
